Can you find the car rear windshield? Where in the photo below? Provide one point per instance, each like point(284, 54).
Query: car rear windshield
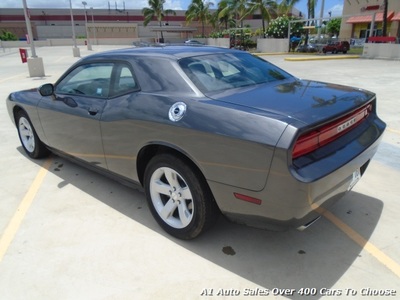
point(218, 72)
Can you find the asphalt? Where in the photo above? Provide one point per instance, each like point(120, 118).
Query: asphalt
point(69, 233)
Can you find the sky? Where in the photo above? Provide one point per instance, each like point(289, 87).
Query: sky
point(334, 6)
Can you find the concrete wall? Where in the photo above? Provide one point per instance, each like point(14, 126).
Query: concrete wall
point(219, 42)
point(382, 51)
point(59, 32)
point(69, 42)
point(272, 45)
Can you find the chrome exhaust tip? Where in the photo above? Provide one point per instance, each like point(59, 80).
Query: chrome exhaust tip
point(305, 226)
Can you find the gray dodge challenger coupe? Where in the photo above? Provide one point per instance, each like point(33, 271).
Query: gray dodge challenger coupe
point(205, 130)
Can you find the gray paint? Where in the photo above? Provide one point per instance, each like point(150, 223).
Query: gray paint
point(240, 139)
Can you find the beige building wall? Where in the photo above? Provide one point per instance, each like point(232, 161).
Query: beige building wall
point(113, 30)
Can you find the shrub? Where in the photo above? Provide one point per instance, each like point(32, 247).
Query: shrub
point(8, 36)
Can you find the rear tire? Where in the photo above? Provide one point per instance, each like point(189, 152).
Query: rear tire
point(28, 137)
point(178, 197)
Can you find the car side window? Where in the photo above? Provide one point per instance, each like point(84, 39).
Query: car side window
point(124, 81)
point(88, 80)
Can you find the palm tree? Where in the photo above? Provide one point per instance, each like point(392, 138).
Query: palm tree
point(285, 7)
point(311, 15)
point(237, 8)
point(156, 10)
point(199, 10)
point(311, 8)
point(265, 7)
point(385, 10)
point(226, 18)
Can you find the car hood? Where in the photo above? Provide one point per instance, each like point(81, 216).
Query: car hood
point(307, 101)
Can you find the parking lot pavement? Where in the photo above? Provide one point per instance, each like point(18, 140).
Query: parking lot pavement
point(69, 233)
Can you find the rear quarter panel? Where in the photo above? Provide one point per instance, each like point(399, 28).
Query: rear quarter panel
point(231, 146)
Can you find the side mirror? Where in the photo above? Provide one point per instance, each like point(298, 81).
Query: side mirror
point(46, 89)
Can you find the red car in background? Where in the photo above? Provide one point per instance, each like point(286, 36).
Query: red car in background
point(337, 47)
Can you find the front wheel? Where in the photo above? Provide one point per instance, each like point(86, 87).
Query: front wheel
point(28, 137)
point(178, 197)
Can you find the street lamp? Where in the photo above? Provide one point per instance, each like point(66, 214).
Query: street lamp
point(89, 46)
point(35, 63)
point(94, 28)
point(75, 49)
point(321, 15)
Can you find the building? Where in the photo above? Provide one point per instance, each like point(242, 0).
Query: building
point(101, 23)
point(359, 15)
point(105, 23)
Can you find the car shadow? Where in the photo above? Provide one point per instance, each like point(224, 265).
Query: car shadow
point(315, 258)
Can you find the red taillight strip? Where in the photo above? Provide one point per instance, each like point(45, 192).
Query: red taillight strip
point(326, 134)
point(247, 198)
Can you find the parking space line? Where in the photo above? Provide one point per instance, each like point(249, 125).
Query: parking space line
point(61, 58)
point(393, 130)
point(362, 242)
point(12, 228)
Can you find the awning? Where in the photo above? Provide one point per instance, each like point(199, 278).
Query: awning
point(368, 18)
point(396, 17)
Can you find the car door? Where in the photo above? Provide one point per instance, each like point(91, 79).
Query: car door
point(119, 123)
point(71, 118)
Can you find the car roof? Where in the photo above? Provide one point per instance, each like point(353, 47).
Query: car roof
point(172, 52)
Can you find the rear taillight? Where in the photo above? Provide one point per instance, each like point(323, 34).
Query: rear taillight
point(313, 140)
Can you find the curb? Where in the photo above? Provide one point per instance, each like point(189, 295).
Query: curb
point(269, 53)
point(322, 57)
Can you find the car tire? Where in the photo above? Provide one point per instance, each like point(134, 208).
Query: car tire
point(344, 51)
point(179, 197)
point(30, 141)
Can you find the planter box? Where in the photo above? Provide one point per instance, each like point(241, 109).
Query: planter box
point(218, 42)
point(382, 51)
point(272, 45)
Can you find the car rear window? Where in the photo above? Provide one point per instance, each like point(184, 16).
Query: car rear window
point(217, 72)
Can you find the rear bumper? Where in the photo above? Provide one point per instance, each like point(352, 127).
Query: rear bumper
point(294, 197)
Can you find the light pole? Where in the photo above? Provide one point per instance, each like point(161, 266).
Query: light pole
point(321, 15)
point(35, 63)
point(75, 49)
point(89, 46)
point(94, 28)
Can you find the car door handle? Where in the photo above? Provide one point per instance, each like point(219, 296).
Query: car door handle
point(93, 111)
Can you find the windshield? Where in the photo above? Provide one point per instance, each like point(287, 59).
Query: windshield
point(218, 72)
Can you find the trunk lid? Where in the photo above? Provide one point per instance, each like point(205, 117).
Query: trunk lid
point(310, 102)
